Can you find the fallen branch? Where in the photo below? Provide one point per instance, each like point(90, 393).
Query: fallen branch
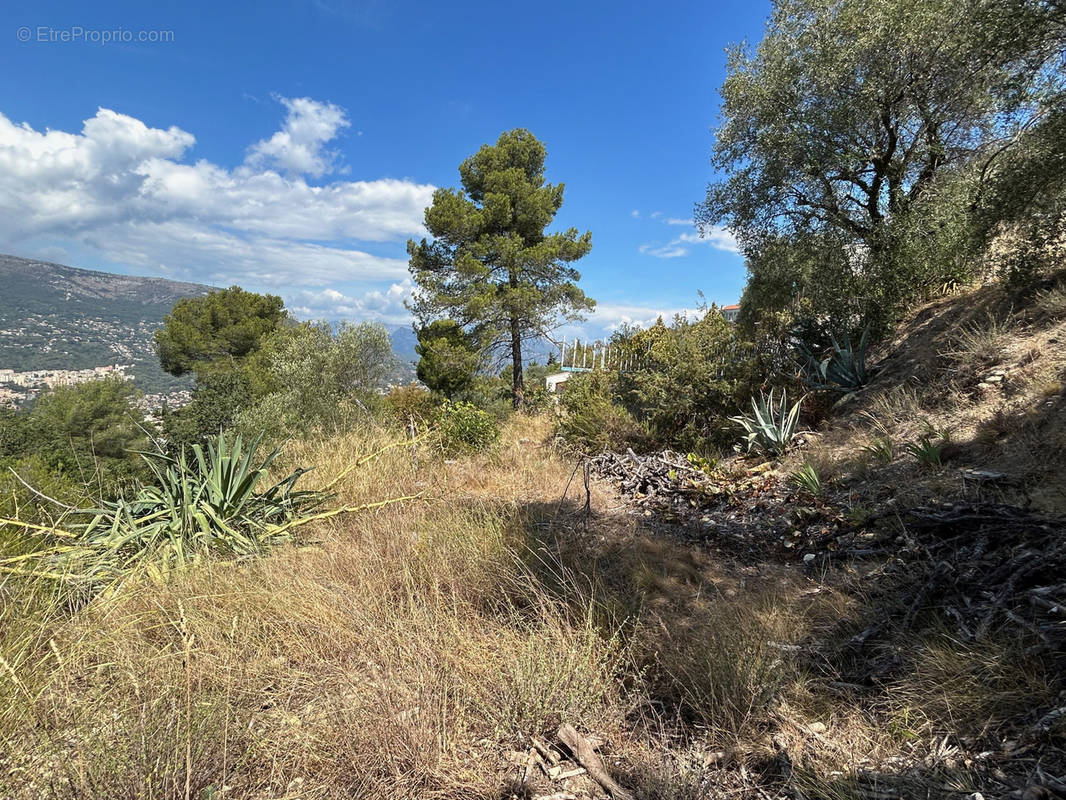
point(40, 494)
point(346, 510)
point(587, 758)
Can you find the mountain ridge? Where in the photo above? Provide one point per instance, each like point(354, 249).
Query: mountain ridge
point(70, 318)
point(57, 317)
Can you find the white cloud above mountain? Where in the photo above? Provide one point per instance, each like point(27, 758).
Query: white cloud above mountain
point(130, 194)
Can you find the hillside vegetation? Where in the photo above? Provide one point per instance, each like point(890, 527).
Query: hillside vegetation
point(816, 554)
point(414, 649)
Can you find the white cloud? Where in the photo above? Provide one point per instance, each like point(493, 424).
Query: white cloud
point(635, 213)
point(127, 192)
point(191, 252)
point(383, 306)
point(611, 316)
point(671, 250)
point(717, 237)
point(298, 148)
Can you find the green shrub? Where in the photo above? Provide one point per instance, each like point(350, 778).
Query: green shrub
point(465, 428)
point(691, 375)
point(412, 404)
point(592, 418)
point(325, 377)
point(491, 394)
point(772, 426)
point(538, 399)
point(668, 385)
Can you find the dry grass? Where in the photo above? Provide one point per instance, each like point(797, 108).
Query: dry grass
point(1051, 303)
point(980, 343)
point(395, 653)
point(968, 688)
point(405, 651)
point(375, 661)
point(897, 407)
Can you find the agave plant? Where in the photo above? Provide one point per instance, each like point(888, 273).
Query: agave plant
point(206, 504)
point(844, 367)
point(773, 424)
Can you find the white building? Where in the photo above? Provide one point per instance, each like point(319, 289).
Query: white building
point(556, 382)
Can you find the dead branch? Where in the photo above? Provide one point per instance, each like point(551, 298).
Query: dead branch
point(587, 758)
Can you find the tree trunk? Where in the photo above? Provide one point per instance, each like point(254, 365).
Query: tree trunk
point(518, 391)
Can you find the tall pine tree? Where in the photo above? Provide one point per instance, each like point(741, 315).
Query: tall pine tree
point(491, 266)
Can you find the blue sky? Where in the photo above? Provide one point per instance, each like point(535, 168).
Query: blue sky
point(291, 146)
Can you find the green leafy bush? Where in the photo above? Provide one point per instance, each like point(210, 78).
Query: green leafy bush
point(537, 399)
point(772, 425)
point(592, 417)
point(465, 428)
point(691, 375)
point(668, 385)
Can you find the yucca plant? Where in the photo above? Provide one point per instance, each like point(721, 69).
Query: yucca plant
point(881, 450)
point(206, 504)
point(928, 453)
point(844, 367)
point(808, 479)
point(772, 425)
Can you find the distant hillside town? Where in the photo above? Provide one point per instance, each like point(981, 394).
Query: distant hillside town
point(50, 378)
point(32, 382)
point(18, 387)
